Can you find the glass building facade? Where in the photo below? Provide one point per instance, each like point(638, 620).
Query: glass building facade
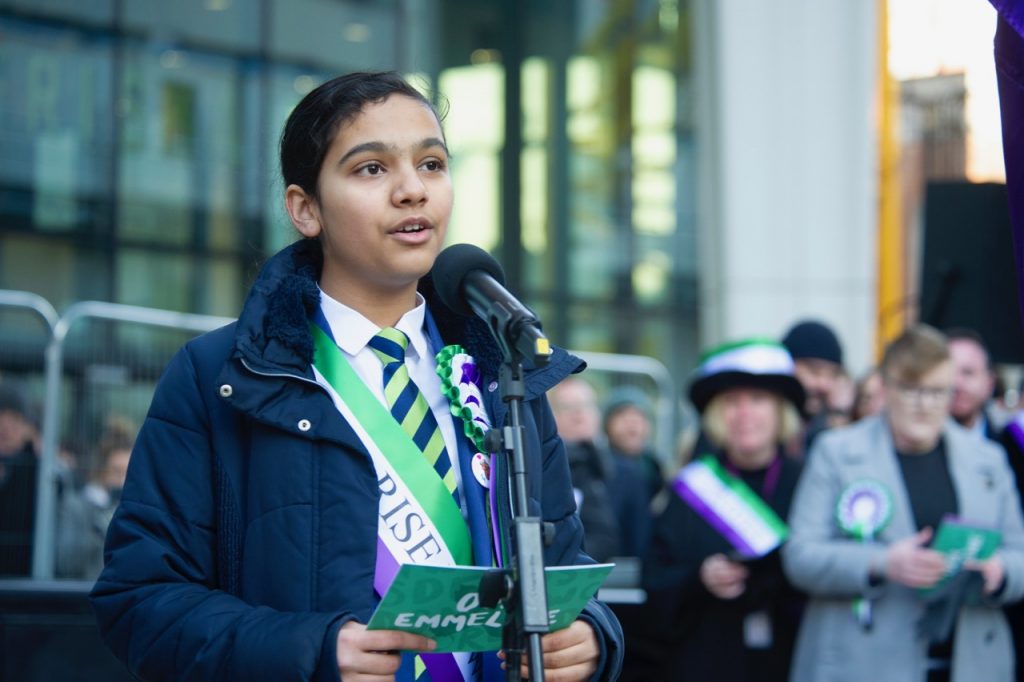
point(138, 158)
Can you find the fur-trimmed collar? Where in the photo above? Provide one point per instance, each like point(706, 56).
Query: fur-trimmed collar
point(273, 329)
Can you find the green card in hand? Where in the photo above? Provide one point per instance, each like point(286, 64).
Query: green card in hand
point(443, 603)
point(962, 542)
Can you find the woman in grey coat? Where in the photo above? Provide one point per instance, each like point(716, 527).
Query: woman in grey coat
point(887, 605)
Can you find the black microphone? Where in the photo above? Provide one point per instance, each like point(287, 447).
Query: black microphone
point(469, 281)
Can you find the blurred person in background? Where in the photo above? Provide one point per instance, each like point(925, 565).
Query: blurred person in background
point(870, 396)
point(591, 467)
point(1012, 440)
point(871, 499)
point(839, 410)
point(85, 514)
point(628, 426)
point(18, 470)
point(818, 358)
point(716, 593)
point(974, 382)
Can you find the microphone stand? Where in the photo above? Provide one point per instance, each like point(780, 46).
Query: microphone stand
point(522, 588)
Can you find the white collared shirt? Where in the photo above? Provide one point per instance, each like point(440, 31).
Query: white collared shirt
point(352, 332)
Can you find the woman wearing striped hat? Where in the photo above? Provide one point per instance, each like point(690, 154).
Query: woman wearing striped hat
point(714, 583)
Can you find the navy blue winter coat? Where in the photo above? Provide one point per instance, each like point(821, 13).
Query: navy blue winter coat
point(246, 534)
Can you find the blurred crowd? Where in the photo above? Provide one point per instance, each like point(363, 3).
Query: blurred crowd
point(89, 482)
point(814, 524)
point(811, 524)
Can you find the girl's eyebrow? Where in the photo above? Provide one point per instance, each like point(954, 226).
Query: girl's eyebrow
point(381, 148)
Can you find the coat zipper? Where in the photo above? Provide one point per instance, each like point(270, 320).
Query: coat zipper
point(284, 375)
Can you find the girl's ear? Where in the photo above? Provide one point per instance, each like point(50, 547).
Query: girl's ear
point(303, 211)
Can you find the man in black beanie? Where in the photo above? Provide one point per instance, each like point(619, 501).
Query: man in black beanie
point(818, 365)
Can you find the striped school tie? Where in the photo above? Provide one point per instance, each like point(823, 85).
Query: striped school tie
point(408, 405)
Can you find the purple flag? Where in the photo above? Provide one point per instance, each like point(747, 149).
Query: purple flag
point(1013, 12)
point(1009, 54)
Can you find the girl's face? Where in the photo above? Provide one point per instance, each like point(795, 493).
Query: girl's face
point(384, 204)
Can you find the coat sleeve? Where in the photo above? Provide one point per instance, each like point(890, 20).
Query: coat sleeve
point(76, 538)
point(817, 558)
point(559, 507)
point(157, 601)
point(671, 568)
point(596, 510)
point(1011, 525)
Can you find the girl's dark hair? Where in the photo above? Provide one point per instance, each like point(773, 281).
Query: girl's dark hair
point(313, 123)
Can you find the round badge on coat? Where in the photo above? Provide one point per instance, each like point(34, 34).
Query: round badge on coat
point(482, 469)
point(864, 508)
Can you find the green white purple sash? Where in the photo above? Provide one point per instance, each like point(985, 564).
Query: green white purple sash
point(419, 521)
point(730, 507)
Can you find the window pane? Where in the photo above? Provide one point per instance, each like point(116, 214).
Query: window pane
point(179, 167)
point(223, 288)
point(159, 280)
point(475, 131)
point(55, 128)
point(224, 25)
point(340, 36)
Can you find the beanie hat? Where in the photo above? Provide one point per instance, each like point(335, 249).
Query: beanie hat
point(812, 339)
point(750, 363)
point(627, 396)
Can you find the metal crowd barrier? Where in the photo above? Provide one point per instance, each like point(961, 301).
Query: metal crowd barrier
point(44, 541)
point(666, 422)
point(94, 332)
point(30, 302)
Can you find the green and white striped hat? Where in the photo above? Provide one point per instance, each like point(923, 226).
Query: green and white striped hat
point(749, 363)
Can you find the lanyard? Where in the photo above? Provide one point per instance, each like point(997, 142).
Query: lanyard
point(771, 476)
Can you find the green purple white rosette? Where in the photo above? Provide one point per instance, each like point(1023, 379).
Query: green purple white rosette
point(460, 382)
point(864, 509)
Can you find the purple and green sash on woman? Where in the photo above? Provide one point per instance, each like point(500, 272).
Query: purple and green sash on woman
point(419, 520)
point(729, 505)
